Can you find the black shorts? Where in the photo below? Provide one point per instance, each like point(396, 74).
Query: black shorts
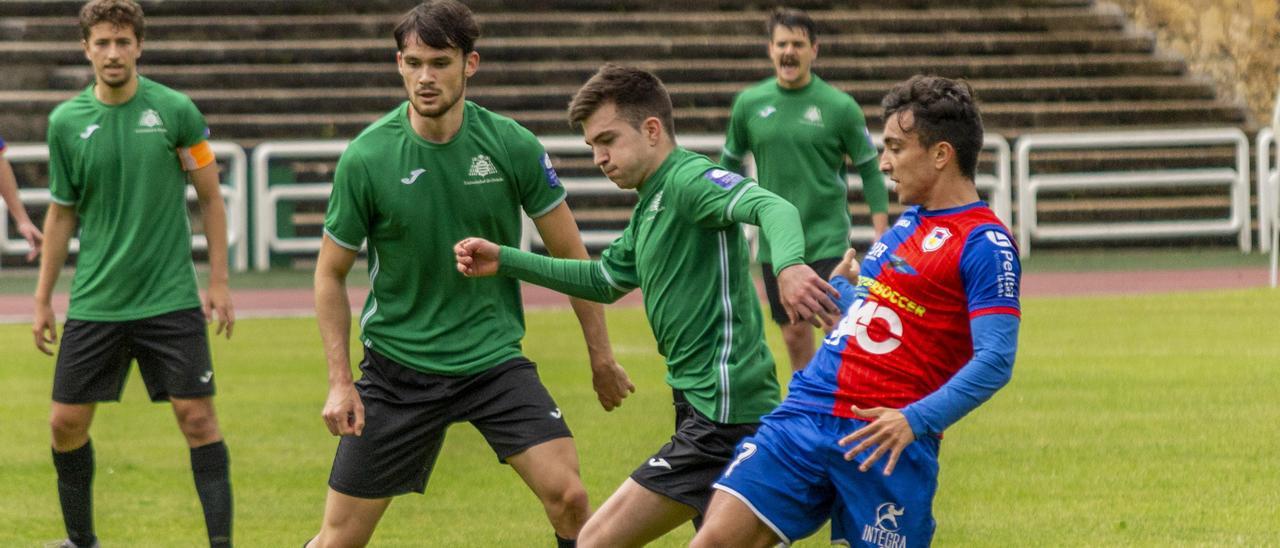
point(406, 413)
point(172, 351)
point(684, 469)
point(823, 267)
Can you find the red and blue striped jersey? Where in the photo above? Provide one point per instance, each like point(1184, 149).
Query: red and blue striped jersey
point(905, 331)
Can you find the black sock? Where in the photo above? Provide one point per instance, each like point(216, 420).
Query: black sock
point(211, 468)
point(565, 542)
point(75, 492)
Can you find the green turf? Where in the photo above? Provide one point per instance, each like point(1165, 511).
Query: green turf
point(1138, 421)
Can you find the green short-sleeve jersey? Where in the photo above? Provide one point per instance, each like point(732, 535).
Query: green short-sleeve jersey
point(799, 139)
point(691, 261)
point(119, 167)
point(413, 200)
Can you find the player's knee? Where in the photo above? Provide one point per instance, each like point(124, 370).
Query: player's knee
point(199, 426)
point(569, 500)
point(67, 428)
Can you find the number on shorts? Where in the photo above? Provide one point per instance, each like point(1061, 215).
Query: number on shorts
point(748, 449)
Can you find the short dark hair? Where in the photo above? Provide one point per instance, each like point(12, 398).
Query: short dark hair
point(636, 93)
point(120, 13)
point(943, 110)
point(441, 24)
point(792, 18)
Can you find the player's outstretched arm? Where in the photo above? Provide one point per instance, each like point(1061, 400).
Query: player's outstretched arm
point(343, 411)
point(805, 296)
point(59, 222)
point(9, 192)
point(218, 296)
point(560, 234)
point(577, 278)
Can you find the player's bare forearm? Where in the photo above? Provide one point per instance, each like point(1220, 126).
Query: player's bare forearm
point(333, 308)
point(58, 226)
point(560, 234)
point(213, 212)
point(9, 192)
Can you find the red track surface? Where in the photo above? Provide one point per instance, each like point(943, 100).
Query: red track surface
point(298, 302)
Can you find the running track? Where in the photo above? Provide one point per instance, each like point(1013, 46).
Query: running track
point(298, 302)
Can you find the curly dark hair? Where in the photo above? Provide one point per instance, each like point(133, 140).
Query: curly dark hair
point(120, 13)
point(944, 110)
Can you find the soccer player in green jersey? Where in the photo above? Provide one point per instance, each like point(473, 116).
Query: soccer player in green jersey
point(120, 155)
point(9, 193)
point(799, 130)
point(440, 348)
point(684, 248)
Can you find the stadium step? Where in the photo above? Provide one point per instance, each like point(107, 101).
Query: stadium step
point(543, 24)
point(618, 48)
point(672, 71)
point(206, 8)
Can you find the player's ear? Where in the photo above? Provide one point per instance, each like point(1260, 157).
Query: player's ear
point(472, 64)
point(943, 153)
point(652, 130)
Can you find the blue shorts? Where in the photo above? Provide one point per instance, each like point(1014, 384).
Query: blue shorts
point(793, 475)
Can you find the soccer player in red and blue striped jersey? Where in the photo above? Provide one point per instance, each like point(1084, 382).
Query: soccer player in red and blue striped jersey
point(929, 333)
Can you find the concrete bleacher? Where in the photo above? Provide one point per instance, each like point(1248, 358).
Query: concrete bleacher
point(301, 69)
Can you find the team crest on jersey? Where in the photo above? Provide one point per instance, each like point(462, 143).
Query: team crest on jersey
point(553, 180)
point(723, 178)
point(481, 171)
point(935, 239)
point(813, 115)
point(150, 122)
point(768, 111)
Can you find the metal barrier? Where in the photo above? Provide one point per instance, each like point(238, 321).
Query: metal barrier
point(268, 197)
point(1273, 196)
point(1236, 178)
point(234, 193)
point(1266, 172)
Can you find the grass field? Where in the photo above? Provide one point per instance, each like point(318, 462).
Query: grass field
point(1137, 421)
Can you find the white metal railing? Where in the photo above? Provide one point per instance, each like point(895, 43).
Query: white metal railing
point(234, 193)
point(1264, 149)
point(268, 197)
point(1273, 195)
point(1236, 178)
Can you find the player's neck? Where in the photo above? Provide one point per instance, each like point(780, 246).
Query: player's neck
point(952, 192)
point(115, 95)
point(802, 83)
point(438, 129)
point(661, 152)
